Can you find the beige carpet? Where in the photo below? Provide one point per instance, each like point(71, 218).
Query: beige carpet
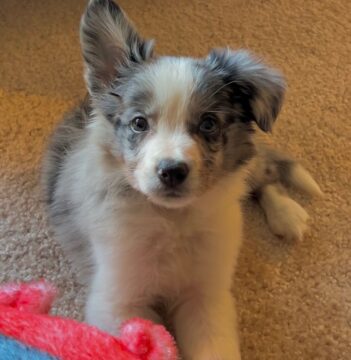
point(294, 299)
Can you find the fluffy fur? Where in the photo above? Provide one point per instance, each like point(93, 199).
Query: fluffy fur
point(155, 236)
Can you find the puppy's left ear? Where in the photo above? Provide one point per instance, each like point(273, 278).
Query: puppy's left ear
point(109, 44)
point(253, 87)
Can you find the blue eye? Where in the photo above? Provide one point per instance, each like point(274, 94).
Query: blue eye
point(209, 124)
point(139, 124)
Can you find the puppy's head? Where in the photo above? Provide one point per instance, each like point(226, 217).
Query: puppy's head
point(177, 125)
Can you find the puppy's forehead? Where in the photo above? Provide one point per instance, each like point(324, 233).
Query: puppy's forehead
point(171, 83)
point(172, 79)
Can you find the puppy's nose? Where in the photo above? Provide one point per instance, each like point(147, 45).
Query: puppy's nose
point(172, 173)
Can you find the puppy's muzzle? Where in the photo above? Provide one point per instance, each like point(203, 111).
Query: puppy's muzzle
point(172, 173)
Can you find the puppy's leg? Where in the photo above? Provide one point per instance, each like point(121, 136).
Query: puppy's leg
point(108, 314)
point(205, 327)
point(270, 169)
point(285, 216)
point(110, 301)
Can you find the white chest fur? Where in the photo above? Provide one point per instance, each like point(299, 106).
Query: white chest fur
point(146, 252)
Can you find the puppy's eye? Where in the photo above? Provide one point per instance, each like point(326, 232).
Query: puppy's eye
point(139, 124)
point(209, 124)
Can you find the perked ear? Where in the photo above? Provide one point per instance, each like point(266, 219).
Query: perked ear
point(109, 42)
point(256, 88)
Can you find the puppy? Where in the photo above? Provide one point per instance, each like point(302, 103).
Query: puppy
point(144, 180)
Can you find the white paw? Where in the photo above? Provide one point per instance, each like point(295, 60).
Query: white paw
point(286, 218)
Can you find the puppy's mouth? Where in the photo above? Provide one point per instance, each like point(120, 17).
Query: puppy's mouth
point(172, 198)
point(173, 194)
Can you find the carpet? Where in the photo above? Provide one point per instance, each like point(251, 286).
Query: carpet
point(294, 299)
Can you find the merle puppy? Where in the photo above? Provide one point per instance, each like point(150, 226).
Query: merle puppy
point(144, 180)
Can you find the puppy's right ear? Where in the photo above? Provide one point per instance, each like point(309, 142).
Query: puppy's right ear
point(109, 42)
point(258, 88)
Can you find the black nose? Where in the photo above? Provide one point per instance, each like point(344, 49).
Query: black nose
point(172, 173)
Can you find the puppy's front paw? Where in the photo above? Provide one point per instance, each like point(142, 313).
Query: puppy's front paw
point(287, 218)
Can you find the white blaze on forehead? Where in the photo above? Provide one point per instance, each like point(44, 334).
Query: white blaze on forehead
point(172, 83)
